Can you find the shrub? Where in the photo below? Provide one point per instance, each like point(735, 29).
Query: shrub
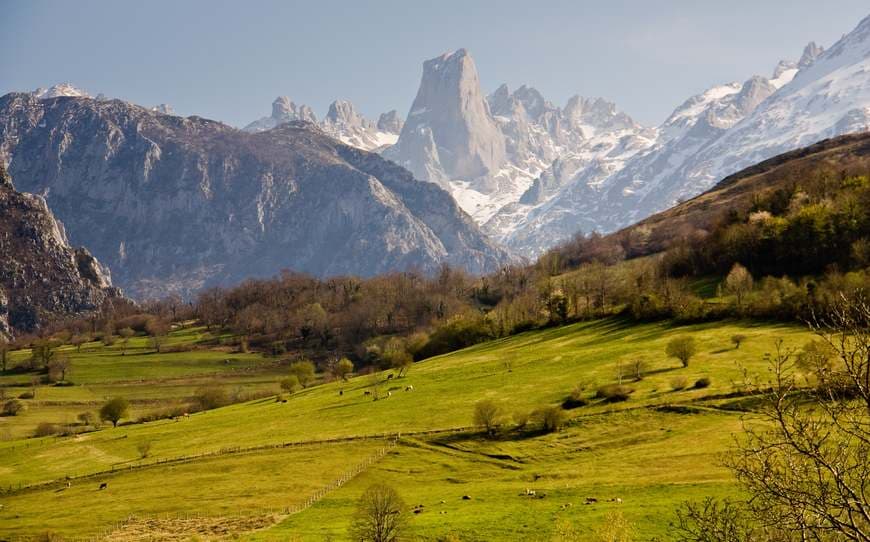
point(209, 397)
point(291, 384)
point(551, 418)
point(613, 393)
point(682, 348)
point(27, 395)
point(679, 383)
point(575, 400)
point(521, 419)
point(13, 407)
point(87, 419)
point(144, 448)
point(46, 429)
point(458, 332)
point(701, 383)
point(304, 371)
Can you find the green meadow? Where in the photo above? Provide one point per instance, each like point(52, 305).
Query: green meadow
point(641, 457)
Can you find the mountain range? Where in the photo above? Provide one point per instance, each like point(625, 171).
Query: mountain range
point(533, 174)
point(176, 204)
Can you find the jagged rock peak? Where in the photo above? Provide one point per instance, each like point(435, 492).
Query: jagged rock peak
point(284, 110)
point(344, 112)
point(596, 113)
point(500, 101)
point(755, 90)
point(390, 122)
point(811, 53)
point(450, 110)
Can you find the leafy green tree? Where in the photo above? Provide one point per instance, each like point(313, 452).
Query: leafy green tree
point(290, 384)
point(304, 371)
point(114, 410)
point(344, 368)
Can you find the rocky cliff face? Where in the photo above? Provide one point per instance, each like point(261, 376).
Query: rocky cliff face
point(450, 132)
point(42, 276)
point(503, 154)
point(175, 204)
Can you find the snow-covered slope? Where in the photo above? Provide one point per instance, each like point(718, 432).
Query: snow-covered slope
point(710, 136)
point(56, 91)
point(828, 97)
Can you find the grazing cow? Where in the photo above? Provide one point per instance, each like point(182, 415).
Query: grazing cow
point(68, 485)
point(390, 376)
point(530, 492)
point(340, 392)
point(104, 485)
point(367, 393)
point(389, 394)
point(466, 497)
point(409, 388)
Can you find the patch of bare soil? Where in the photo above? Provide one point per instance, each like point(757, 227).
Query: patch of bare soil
point(188, 528)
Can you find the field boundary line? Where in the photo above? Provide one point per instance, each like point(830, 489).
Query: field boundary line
point(280, 514)
point(13, 489)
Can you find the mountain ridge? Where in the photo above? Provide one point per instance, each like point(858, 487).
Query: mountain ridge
point(177, 204)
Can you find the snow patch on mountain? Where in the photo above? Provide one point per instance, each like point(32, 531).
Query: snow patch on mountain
point(342, 122)
point(59, 90)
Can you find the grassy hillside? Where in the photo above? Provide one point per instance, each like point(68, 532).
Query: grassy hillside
point(151, 381)
point(632, 450)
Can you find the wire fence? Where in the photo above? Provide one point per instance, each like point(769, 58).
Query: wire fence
point(274, 515)
point(21, 486)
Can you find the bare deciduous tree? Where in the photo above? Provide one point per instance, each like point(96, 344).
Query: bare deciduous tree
point(806, 470)
point(488, 414)
point(381, 515)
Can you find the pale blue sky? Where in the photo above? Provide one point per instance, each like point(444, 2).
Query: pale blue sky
point(228, 60)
